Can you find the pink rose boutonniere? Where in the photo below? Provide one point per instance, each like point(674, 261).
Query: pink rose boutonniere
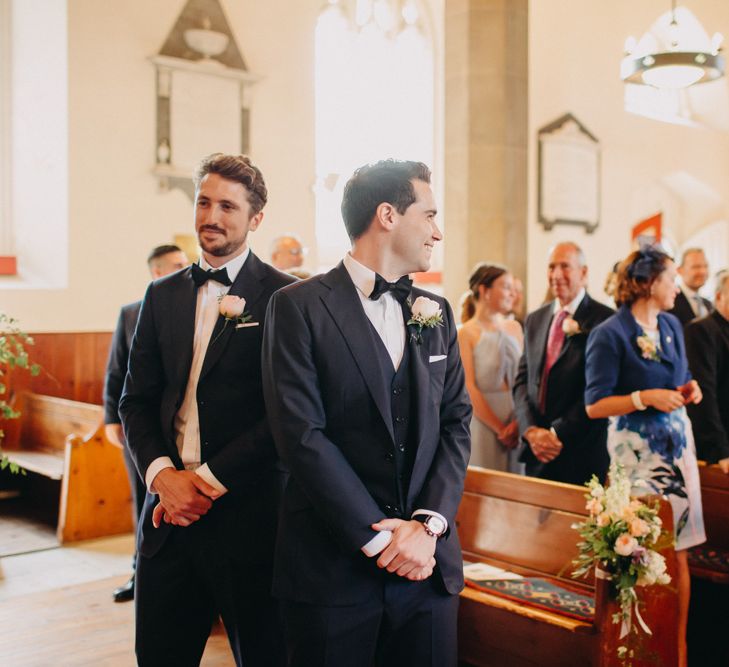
point(648, 349)
point(424, 313)
point(570, 326)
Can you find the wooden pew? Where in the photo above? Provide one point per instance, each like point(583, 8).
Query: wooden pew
point(64, 441)
point(523, 525)
point(710, 560)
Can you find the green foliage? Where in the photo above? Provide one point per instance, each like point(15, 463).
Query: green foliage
point(13, 355)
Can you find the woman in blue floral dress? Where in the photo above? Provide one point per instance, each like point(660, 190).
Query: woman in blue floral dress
point(637, 375)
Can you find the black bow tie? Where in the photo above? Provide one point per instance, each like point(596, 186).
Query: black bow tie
point(400, 289)
point(200, 276)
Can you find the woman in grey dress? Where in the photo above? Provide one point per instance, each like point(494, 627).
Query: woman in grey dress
point(490, 345)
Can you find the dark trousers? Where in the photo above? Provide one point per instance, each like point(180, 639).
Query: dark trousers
point(138, 492)
point(405, 623)
point(186, 585)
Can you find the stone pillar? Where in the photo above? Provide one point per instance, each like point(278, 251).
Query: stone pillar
point(486, 61)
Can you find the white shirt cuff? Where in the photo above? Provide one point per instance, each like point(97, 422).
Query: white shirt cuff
point(431, 513)
point(159, 464)
point(207, 474)
point(377, 543)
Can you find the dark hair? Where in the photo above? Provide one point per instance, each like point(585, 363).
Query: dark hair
point(162, 250)
point(483, 274)
point(237, 168)
point(387, 181)
point(637, 273)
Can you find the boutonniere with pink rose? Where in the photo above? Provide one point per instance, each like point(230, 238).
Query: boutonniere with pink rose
point(232, 308)
point(424, 313)
point(648, 349)
point(571, 327)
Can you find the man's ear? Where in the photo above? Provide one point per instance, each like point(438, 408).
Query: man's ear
point(385, 216)
point(255, 221)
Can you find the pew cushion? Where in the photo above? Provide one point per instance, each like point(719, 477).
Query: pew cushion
point(706, 562)
point(542, 594)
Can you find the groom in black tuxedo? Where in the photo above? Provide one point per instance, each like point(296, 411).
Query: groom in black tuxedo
point(365, 394)
point(195, 422)
point(560, 442)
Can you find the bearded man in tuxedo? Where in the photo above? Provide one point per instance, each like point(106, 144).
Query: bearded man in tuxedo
point(365, 393)
point(195, 422)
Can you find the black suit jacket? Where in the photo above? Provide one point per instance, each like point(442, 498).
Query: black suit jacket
point(707, 349)
point(235, 439)
point(584, 440)
point(116, 367)
point(330, 413)
point(684, 312)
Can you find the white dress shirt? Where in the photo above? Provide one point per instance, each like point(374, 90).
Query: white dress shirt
point(571, 307)
point(694, 299)
point(387, 318)
point(187, 423)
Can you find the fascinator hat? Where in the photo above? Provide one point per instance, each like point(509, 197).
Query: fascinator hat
point(649, 261)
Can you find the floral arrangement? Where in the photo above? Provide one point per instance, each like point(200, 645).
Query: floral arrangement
point(621, 536)
point(425, 313)
point(648, 349)
point(571, 326)
point(12, 355)
point(232, 307)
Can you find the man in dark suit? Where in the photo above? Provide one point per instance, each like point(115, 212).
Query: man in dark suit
point(561, 442)
point(694, 272)
point(195, 421)
point(365, 392)
point(707, 349)
point(162, 261)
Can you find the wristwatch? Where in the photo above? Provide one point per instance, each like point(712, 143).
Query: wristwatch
point(434, 526)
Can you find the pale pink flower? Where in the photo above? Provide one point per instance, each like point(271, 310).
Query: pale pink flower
point(232, 307)
point(570, 326)
point(625, 545)
point(638, 527)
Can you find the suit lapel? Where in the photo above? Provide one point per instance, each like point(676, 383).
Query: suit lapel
point(538, 344)
point(248, 285)
point(580, 316)
point(345, 308)
point(419, 358)
point(184, 312)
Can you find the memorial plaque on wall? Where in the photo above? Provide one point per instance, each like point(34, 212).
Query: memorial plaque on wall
point(569, 175)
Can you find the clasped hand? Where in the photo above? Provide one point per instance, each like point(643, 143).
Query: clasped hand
point(410, 553)
point(545, 445)
point(184, 497)
point(668, 400)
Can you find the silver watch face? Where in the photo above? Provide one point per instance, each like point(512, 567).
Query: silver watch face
point(435, 524)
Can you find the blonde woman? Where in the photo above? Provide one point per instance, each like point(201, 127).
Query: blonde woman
point(491, 345)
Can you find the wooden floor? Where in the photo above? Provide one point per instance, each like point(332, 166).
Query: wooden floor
point(79, 625)
point(23, 530)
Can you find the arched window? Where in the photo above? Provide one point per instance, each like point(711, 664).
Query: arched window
point(374, 100)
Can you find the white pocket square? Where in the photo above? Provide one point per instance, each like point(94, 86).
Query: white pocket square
point(436, 357)
point(247, 324)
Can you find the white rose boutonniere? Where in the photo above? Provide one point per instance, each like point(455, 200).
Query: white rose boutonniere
point(232, 308)
point(571, 327)
point(648, 349)
point(424, 313)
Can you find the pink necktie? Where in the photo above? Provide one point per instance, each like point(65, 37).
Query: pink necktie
point(554, 347)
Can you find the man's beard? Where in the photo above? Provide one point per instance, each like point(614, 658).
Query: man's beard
point(226, 249)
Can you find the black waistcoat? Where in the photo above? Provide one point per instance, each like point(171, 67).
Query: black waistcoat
point(404, 415)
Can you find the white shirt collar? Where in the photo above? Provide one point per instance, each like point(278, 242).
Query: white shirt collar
point(572, 306)
point(362, 277)
point(233, 267)
point(688, 292)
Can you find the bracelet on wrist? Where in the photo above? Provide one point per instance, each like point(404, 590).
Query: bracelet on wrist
point(637, 402)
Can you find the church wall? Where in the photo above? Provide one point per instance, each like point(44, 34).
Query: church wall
point(574, 59)
point(116, 211)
